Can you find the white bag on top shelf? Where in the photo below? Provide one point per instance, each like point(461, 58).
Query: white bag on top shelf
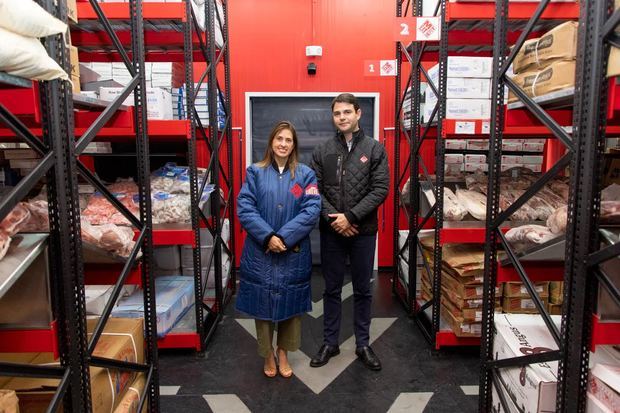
point(26, 57)
point(27, 18)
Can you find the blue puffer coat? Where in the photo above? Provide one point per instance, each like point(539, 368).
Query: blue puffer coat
point(276, 286)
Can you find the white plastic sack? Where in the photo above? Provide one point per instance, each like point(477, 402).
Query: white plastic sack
point(27, 18)
point(26, 57)
point(199, 8)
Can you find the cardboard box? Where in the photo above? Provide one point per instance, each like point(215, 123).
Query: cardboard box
point(497, 406)
point(533, 147)
point(467, 292)
point(518, 290)
point(556, 292)
point(478, 144)
point(121, 340)
point(460, 88)
point(613, 64)
point(604, 385)
point(72, 11)
point(559, 43)
point(522, 305)
point(512, 160)
point(511, 145)
point(20, 154)
point(8, 401)
point(460, 327)
point(97, 297)
point(131, 401)
point(469, 315)
point(158, 101)
point(469, 158)
point(453, 169)
point(453, 158)
point(554, 309)
point(465, 67)
point(558, 76)
point(532, 159)
point(532, 387)
point(458, 144)
point(475, 303)
point(612, 170)
point(474, 167)
point(463, 109)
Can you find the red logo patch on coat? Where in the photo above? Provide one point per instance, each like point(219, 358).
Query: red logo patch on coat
point(364, 159)
point(297, 191)
point(312, 189)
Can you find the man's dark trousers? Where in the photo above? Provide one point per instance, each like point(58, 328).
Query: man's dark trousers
point(361, 252)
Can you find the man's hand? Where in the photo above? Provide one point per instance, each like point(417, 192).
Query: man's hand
point(276, 245)
point(342, 225)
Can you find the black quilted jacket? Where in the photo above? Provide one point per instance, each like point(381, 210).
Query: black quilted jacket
point(355, 182)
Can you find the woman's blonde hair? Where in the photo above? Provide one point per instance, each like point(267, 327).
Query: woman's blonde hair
point(269, 156)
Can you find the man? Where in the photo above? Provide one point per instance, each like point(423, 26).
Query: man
point(353, 179)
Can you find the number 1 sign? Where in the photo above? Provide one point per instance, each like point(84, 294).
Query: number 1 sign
point(417, 29)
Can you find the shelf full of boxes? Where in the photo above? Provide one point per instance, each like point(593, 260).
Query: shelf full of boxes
point(100, 350)
point(191, 233)
point(545, 69)
point(462, 120)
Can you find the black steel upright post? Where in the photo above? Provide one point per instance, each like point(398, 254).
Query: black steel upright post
point(440, 149)
point(493, 192)
point(582, 235)
point(229, 142)
point(190, 92)
point(215, 145)
point(397, 137)
point(144, 190)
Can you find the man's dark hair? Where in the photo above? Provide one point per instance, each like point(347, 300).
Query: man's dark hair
point(346, 98)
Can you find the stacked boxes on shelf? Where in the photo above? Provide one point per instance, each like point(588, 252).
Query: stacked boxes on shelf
point(604, 380)
point(516, 298)
point(556, 297)
point(201, 105)
point(468, 90)
point(547, 64)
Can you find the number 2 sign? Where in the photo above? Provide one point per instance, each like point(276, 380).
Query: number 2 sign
point(417, 29)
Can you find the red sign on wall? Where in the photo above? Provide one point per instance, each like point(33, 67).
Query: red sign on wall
point(417, 29)
point(380, 67)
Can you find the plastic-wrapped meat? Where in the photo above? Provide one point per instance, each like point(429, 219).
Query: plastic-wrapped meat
point(5, 241)
point(477, 181)
point(559, 188)
point(611, 193)
point(15, 219)
point(536, 234)
point(610, 212)
point(117, 239)
point(518, 171)
point(552, 199)
point(452, 209)
point(557, 221)
point(405, 192)
point(540, 207)
point(39, 219)
point(525, 213)
point(474, 202)
point(123, 186)
point(99, 211)
point(170, 208)
point(90, 233)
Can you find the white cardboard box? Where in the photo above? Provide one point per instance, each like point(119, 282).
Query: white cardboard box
point(478, 144)
point(466, 66)
point(463, 109)
point(473, 167)
point(471, 158)
point(158, 101)
point(593, 405)
point(512, 159)
point(462, 88)
point(453, 168)
point(532, 159)
point(458, 144)
point(454, 158)
point(97, 297)
point(533, 146)
point(533, 387)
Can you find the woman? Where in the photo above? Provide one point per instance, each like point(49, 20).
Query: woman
point(278, 206)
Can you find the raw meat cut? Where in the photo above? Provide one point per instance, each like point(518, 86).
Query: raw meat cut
point(557, 221)
point(39, 218)
point(15, 219)
point(474, 202)
point(610, 212)
point(536, 234)
point(5, 241)
point(525, 213)
point(555, 201)
point(477, 181)
point(452, 209)
point(611, 193)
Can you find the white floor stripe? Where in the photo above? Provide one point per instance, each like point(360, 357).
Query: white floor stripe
point(410, 402)
point(470, 390)
point(169, 390)
point(225, 403)
point(317, 379)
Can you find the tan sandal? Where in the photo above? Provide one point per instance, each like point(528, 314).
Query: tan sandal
point(268, 370)
point(285, 371)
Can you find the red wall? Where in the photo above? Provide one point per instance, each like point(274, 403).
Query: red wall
point(267, 44)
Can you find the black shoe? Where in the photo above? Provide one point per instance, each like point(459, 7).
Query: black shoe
point(325, 353)
point(368, 357)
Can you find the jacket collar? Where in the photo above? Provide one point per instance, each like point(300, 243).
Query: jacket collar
point(359, 134)
point(274, 165)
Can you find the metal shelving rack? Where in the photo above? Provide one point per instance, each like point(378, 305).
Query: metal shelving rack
point(67, 267)
point(172, 34)
point(580, 330)
point(583, 144)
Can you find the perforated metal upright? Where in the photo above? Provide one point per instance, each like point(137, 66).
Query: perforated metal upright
point(583, 237)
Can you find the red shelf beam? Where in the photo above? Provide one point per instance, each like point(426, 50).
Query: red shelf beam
point(537, 271)
point(604, 333)
point(180, 340)
point(30, 341)
point(516, 11)
point(173, 236)
point(120, 11)
point(107, 274)
point(449, 339)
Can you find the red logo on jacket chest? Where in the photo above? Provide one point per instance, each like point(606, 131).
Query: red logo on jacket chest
point(297, 191)
point(364, 159)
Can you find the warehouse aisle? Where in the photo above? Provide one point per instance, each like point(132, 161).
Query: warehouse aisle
point(230, 378)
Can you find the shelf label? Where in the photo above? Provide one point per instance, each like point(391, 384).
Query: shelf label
point(417, 29)
point(380, 67)
point(465, 128)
